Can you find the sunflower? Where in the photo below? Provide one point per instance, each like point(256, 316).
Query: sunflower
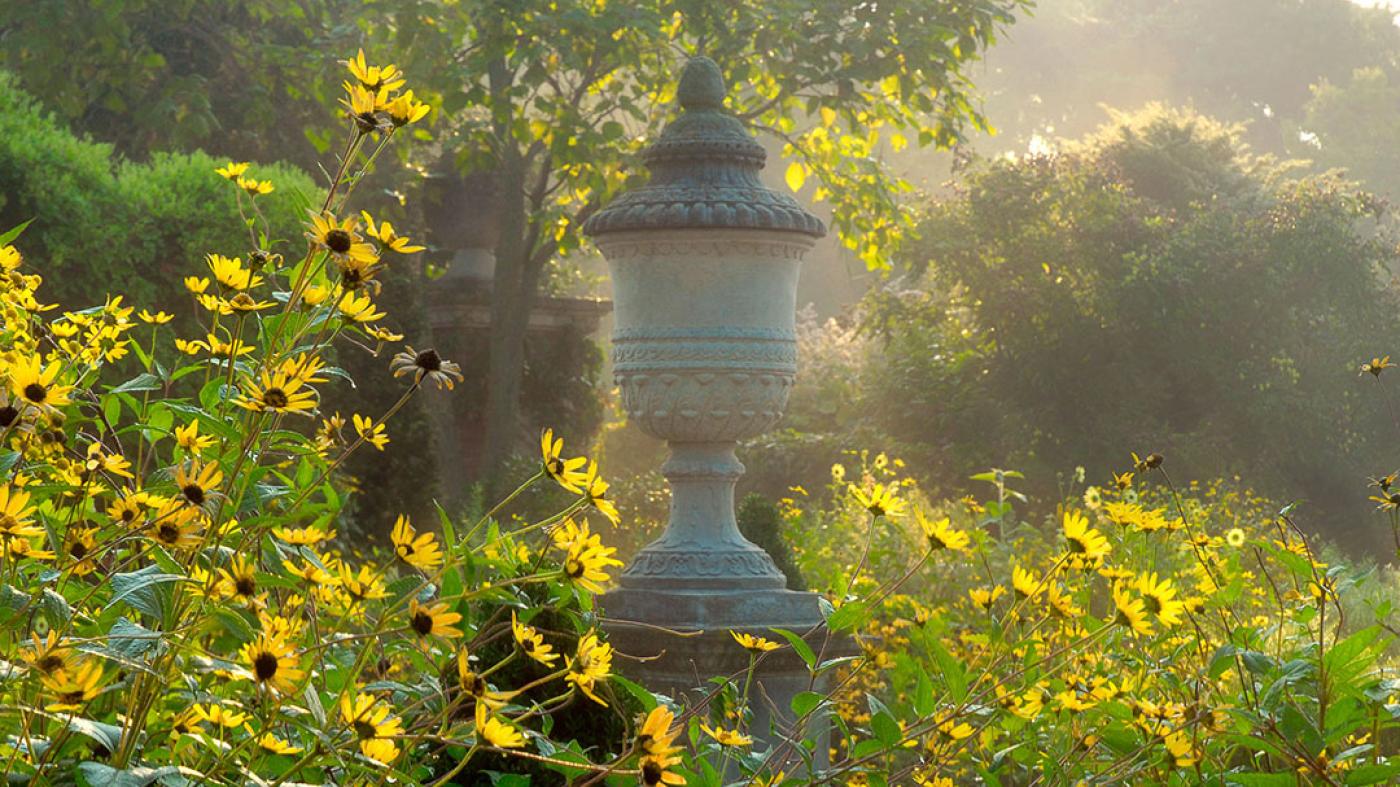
point(1159, 597)
point(754, 644)
point(33, 384)
point(73, 687)
point(880, 501)
point(79, 543)
point(1087, 546)
point(592, 662)
point(48, 656)
point(596, 489)
point(374, 725)
point(240, 581)
point(568, 473)
point(128, 508)
point(586, 562)
point(278, 392)
point(941, 534)
point(340, 238)
point(419, 550)
point(1024, 583)
point(726, 737)
point(532, 643)
point(273, 662)
point(432, 620)
point(426, 365)
point(198, 482)
point(16, 517)
point(499, 734)
point(1130, 612)
point(1062, 602)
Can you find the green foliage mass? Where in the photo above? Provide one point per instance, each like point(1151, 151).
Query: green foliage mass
point(128, 225)
point(762, 523)
point(1155, 287)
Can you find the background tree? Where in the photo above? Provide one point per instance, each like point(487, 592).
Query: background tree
point(1154, 288)
point(554, 99)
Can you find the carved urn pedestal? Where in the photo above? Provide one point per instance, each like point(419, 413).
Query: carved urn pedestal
point(704, 263)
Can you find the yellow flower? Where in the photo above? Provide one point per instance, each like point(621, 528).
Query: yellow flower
point(340, 238)
point(1062, 603)
point(189, 438)
point(16, 517)
point(33, 384)
point(656, 770)
point(432, 620)
point(419, 550)
point(176, 526)
point(586, 560)
point(273, 662)
point(426, 365)
point(1024, 583)
point(255, 187)
point(726, 737)
point(197, 481)
point(986, 597)
point(374, 77)
point(596, 489)
point(366, 585)
point(1093, 498)
point(880, 500)
point(1087, 546)
point(1179, 746)
point(274, 745)
point(73, 687)
point(1376, 365)
point(372, 432)
point(532, 642)
point(159, 318)
point(224, 717)
point(358, 308)
point(233, 171)
point(278, 393)
point(373, 724)
point(568, 473)
point(657, 735)
point(405, 109)
point(1159, 597)
point(1130, 612)
point(126, 509)
point(243, 302)
point(229, 271)
point(239, 580)
point(499, 734)
point(196, 284)
point(385, 234)
point(942, 535)
point(1235, 537)
point(592, 662)
point(303, 536)
point(753, 644)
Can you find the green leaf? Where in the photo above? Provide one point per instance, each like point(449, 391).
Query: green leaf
point(848, 616)
point(141, 382)
point(885, 728)
point(8, 459)
point(1372, 774)
point(131, 640)
point(805, 702)
point(142, 589)
point(13, 232)
point(1261, 780)
point(798, 644)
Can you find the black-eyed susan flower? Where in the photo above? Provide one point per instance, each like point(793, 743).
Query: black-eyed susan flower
point(363, 585)
point(1130, 611)
point(1061, 602)
point(532, 643)
point(223, 715)
point(16, 516)
point(340, 238)
point(433, 620)
point(384, 233)
point(32, 383)
point(656, 770)
point(1235, 537)
point(277, 392)
point(273, 662)
point(239, 580)
point(941, 534)
point(366, 107)
point(372, 433)
point(243, 302)
point(78, 543)
point(1024, 584)
point(198, 481)
point(596, 490)
point(229, 272)
point(72, 688)
point(499, 734)
point(187, 722)
point(129, 508)
point(49, 655)
point(592, 662)
point(725, 737)
point(752, 643)
point(374, 77)
point(374, 725)
point(879, 500)
point(420, 550)
point(189, 439)
point(358, 308)
point(1159, 597)
point(586, 561)
point(176, 526)
point(1087, 546)
point(568, 473)
point(426, 365)
point(657, 734)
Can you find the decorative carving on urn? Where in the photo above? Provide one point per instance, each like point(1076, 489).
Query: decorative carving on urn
point(704, 262)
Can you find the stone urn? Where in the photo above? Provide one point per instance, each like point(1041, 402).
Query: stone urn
point(704, 262)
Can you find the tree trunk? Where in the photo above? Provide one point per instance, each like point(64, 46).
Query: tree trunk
point(512, 296)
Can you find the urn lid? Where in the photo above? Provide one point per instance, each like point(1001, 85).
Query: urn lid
point(704, 172)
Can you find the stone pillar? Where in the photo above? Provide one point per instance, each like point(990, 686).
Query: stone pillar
point(704, 263)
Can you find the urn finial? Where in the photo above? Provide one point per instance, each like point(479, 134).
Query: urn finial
point(702, 85)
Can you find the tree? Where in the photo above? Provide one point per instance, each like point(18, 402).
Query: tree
point(1355, 125)
point(555, 98)
point(1152, 288)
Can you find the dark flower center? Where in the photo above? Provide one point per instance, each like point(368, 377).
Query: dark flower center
point(78, 549)
point(428, 360)
point(423, 624)
point(265, 666)
point(35, 393)
point(338, 241)
point(651, 773)
point(245, 586)
point(194, 493)
point(574, 568)
point(275, 398)
point(168, 533)
point(364, 729)
point(49, 664)
point(8, 414)
point(128, 514)
point(1153, 604)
